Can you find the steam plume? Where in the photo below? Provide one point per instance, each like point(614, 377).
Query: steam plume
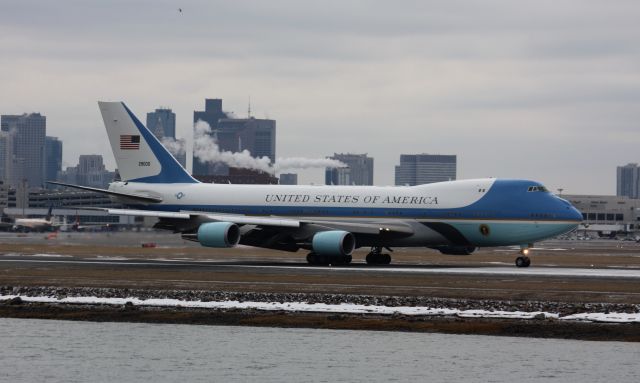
point(206, 149)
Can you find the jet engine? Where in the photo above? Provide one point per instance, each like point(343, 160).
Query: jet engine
point(457, 250)
point(218, 234)
point(334, 243)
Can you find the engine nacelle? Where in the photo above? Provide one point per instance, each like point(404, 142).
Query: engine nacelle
point(457, 250)
point(218, 234)
point(334, 243)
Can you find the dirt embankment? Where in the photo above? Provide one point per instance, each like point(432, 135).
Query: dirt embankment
point(539, 328)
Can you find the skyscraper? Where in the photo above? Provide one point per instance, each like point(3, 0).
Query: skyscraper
point(29, 132)
point(6, 157)
point(257, 136)
point(52, 158)
point(288, 179)
point(360, 170)
point(211, 114)
point(418, 169)
point(162, 123)
point(628, 181)
point(4, 197)
point(92, 172)
point(338, 176)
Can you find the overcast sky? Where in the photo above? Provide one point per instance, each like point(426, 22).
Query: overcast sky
point(545, 90)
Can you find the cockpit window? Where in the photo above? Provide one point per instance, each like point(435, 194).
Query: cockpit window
point(537, 189)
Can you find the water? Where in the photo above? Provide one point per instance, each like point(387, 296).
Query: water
point(60, 351)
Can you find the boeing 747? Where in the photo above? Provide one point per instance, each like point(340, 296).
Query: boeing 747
point(329, 222)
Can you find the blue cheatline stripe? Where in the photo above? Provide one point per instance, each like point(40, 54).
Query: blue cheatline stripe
point(500, 233)
point(171, 171)
point(467, 213)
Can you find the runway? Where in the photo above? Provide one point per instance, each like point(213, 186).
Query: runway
point(561, 271)
point(359, 269)
point(470, 281)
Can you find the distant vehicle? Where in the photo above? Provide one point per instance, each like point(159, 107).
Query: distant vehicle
point(453, 217)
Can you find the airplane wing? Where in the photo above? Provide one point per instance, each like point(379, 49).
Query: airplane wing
point(356, 227)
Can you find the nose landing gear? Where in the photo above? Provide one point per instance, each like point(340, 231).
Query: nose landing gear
point(523, 260)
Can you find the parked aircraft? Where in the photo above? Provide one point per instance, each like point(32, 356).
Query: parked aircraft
point(35, 224)
point(453, 217)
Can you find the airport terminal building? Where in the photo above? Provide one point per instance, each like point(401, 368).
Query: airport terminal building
point(619, 213)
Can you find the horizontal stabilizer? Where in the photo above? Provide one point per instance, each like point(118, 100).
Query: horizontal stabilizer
point(135, 196)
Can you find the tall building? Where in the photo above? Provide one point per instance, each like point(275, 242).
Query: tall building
point(92, 172)
point(418, 169)
point(360, 170)
point(6, 157)
point(628, 181)
point(257, 136)
point(288, 179)
point(52, 158)
point(29, 132)
point(211, 114)
point(338, 176)
point(181, 154)
point(4, 197)
point(162, 123)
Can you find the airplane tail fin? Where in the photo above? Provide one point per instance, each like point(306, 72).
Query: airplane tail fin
point(49, 213)
point(139, 155)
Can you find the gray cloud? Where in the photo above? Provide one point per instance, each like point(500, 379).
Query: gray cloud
point(546, 90)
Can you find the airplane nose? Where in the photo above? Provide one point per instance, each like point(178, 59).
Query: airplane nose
point(570, 211)
point(576, 214)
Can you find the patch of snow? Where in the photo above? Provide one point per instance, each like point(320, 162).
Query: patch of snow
point(48, 255)
point(37, 255)
point(344, 308)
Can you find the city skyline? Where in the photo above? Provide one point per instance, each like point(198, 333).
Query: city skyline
point(515, 90)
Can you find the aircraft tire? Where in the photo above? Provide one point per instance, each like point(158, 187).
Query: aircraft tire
point(378, 259)
point(523, 262)
point(371, 259)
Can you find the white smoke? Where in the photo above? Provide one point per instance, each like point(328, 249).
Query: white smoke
point(175, 147)
point(291, 163)
point(206, 149)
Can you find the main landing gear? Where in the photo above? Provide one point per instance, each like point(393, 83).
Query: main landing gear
point(323, 260)
point(523, 260)
point(375, 256)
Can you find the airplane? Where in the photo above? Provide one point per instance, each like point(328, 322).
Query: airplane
point(77, 226)
point(454, 217)
point(35, 224)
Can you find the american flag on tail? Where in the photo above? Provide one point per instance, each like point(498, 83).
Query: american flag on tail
point(129, 141)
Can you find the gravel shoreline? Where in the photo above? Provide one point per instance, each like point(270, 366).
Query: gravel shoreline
point(561, 308)
point(537, 327)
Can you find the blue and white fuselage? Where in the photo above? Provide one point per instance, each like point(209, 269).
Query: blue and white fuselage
point(330, 221)
point(478, 212)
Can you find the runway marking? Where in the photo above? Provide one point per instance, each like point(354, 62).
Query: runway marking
point(476, 271)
